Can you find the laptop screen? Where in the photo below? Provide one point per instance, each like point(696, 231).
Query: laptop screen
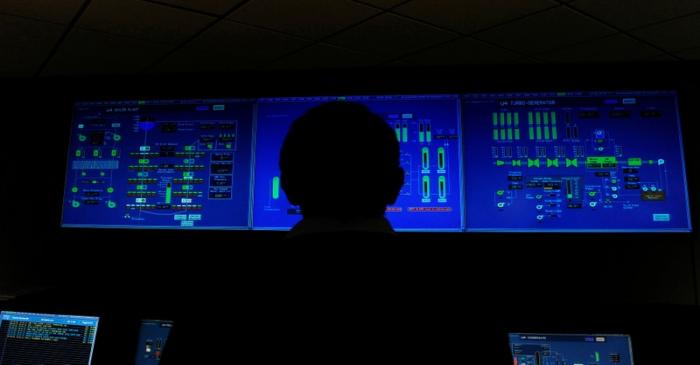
point(570, 349)
point(32, 338)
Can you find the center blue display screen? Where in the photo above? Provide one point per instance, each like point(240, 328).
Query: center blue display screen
point(498, 162)
point(427, 128)
point(559, 349)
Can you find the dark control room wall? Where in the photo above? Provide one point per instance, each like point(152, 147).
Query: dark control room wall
point(569, 268)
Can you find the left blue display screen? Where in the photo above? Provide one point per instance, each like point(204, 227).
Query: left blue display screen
point(160, 164)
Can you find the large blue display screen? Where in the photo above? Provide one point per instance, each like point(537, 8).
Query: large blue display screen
point(556, 349)
point(427, 128)
point(160, 164)
point(598, 161)
point(497, 162)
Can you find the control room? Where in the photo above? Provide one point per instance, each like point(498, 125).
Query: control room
point(224, 181)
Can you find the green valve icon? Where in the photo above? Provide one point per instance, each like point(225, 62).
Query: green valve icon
point(102, 173)
point(591, 193)
point(500, 163)
point(110, 190)
point(74, 189)
point(533, 163)
point(82, 138)
point(75, 204)
point(111, 204)
point(516, 163)
point(500, 192)
point(117, 137)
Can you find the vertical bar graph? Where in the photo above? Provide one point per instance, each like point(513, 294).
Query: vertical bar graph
point(538, 122)
point(276, 187)
point(554, 125)
point(530, 125)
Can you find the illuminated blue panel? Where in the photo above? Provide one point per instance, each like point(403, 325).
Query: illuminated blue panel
point(427, 128)
point(554, 349)
point(32, 338)
point(159, 164)
point(585, 161)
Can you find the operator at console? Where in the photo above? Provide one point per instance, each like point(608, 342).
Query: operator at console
point(342, 177)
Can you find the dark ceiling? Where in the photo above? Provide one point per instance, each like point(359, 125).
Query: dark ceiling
point(86, 37)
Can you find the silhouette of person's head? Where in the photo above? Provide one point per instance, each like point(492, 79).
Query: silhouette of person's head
point(341, 161)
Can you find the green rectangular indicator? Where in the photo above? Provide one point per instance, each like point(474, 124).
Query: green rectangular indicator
point(219, 107)
point(275, 187)
point(546, 132)
point(78, 153)
point(494, 117)
point(168, 194)
point(554, 117)
point(517, 134)
point(600, 162)
point(510, 134)
point(495, 135)
point(426, 187)
point(114, 153)
point(529, 118)
point(532, 133)
point(509, 119)
point(634, 161)
point(516, 119)
point(554, 133)
point(442, 191)
point(545, 116)
point(404, 133)
point(95, 153)
point(539, 132)
point(503, 134)
point(503, 119)
point(538, 118)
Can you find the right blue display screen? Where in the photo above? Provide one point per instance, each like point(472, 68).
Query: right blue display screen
point(572, 349)
point(574, 161)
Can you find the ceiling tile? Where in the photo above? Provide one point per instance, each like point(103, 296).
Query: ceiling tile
point(390, 36)
point(470, 16)
point(231, 46)
point(25, 44)
point(662, 58)
point(325, 56)
point(384, 4)
point(545, 31)
point(142, 20)
point(312, 19)
point(673, 35)
point(627, 14)
point(689, 54)
point(616, 48)
point(210, 6)
point(462, 51)
point(86, 52)
point(58, 11)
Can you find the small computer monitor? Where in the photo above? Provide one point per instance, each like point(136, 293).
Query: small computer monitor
point(152, 339)
point(33, 338)
point(606, 161)
point(159, 164)
point(570, 349)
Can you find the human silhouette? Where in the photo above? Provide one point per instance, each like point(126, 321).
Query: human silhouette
point(340, 164)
